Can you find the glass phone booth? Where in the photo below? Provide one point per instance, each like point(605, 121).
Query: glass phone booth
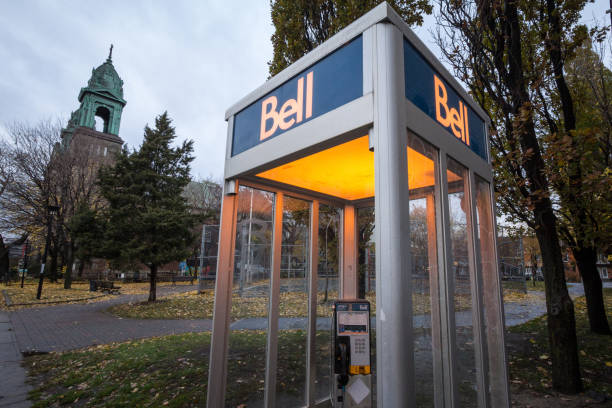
point(360, 171)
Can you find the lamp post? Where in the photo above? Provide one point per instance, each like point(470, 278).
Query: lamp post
point(51, 210)
point(202, 250)
point(25, 261)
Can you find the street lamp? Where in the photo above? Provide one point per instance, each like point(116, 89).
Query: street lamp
point(51, 210)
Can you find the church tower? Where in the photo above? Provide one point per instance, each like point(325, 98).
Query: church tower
point(99, 115)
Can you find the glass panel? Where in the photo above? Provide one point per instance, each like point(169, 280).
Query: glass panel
point(423, 160)
point(458, 206)
point(250, 298)
point(491, 299)
point(367, 256)
point(367, 276)
point(328, 284)
point(293, 304)
point(207, 261)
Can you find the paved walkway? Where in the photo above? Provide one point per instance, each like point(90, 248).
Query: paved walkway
point(13, 387)
point(74, 326)
point(516, 313)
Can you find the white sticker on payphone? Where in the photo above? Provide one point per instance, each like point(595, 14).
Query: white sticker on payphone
point(358, 390)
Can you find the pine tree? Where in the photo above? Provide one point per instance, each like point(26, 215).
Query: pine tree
point(147, 219)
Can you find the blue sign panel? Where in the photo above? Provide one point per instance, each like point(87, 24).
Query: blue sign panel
point(434, 96)
point(330, 83)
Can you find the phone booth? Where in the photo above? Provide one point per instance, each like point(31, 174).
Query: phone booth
point(361, 172)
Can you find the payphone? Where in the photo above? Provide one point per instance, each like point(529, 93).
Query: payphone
point(351, 365)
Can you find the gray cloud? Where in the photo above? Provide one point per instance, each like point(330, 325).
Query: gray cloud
point(191, 58)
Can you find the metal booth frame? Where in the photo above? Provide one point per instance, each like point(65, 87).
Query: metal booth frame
point(384, 114)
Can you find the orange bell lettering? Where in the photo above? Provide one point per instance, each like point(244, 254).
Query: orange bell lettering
point(293, 111)
point(456, 119)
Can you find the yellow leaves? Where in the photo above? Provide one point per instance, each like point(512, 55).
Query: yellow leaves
point(608, 363)
point(516, 297)
point(52, 293)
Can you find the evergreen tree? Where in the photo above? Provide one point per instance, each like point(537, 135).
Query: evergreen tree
point(86, 228)
point(147, 219)
point(301, 25)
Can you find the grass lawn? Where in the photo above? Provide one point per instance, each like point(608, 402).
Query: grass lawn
point(52, 294)
point(193, 305)
point(529, 353)
point(166, 371)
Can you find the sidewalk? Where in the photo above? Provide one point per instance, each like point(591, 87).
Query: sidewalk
point(74, 326)
point(13, 388)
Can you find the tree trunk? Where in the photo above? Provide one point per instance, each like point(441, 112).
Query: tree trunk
point(53, 266)
point(586, 259)
point(559, 306)
point(575, 202)
point(4, 261)
point(153, 281)
point(69, 262)
point(561, 320)
point(81, 267)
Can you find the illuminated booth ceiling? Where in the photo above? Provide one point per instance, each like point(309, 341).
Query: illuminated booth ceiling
point(347, 171)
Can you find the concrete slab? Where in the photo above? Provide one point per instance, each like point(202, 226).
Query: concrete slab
point(9, 353)
point(6, 336)
point(13, 387)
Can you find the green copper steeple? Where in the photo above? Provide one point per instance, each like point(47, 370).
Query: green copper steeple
point(102, 98)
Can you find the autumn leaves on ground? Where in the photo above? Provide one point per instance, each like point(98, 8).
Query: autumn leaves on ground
point(53, 293)
point(530, 365)
point(172, 370)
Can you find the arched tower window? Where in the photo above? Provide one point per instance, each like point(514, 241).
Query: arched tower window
point(102, 119)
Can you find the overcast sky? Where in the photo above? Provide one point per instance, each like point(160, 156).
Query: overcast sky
point(192, 58)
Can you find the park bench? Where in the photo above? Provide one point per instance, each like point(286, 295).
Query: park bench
point(182, 279)
point(103, 286)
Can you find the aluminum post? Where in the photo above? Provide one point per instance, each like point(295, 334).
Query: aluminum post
point(394, 340)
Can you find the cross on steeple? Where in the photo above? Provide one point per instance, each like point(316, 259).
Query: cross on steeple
point(110, 54)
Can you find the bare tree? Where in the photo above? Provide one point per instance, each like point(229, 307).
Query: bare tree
point(204, 196)
point(47, 172)
point(6, 168)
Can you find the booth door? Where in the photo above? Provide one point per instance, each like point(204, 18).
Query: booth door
point(300, 378)
point(276, 277)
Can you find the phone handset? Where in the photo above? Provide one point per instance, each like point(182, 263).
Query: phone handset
point(343, 357)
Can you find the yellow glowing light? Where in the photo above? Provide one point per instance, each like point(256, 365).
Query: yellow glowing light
point(347, 171)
